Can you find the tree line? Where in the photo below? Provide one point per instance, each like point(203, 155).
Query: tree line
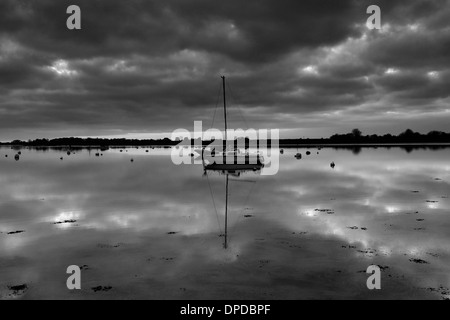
point(354, 137)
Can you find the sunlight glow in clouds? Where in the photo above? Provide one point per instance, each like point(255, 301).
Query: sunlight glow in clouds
point(391, 71)
point(121, 66)
point(310, 70)
point(61, 68)
point(433, 74)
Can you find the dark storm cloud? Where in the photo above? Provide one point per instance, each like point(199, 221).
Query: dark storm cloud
point(249, 31)
point(143, 66)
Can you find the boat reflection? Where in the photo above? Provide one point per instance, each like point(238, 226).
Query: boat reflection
point(237, 175)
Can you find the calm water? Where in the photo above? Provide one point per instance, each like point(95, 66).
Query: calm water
point(149, 229)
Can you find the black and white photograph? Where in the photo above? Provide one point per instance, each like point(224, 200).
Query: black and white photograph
point(226, 155)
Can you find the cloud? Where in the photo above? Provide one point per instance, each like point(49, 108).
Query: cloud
point(152, 66)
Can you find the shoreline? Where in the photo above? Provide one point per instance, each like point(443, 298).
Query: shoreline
point(281, 145)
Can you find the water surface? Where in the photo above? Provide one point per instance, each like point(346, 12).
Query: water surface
point(149, 229)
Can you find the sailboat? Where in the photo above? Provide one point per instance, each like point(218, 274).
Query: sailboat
point(243, 161)
point(233, 158)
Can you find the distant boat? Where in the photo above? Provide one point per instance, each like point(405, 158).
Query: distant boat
point(242, 160)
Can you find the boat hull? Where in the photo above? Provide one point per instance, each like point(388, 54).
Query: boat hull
point(228, 167)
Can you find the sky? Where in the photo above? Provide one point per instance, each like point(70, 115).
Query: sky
point(141, 69)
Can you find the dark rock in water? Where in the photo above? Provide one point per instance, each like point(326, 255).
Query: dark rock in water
point(167, 259)
point(108, 246)
point(298, 156)
point(20, 287)
point(418, 261)
point(19, 153)
point(68, 153)
point(97, 154)
point(101, 288)
point(327, 211)
point(248, 216)
point(18, 290)
point(65, 221)
point(383, 268)
point(332, 165)
point(17, 157)
point(308, 153)
point(6, 156)
point(172, 232)
point(16, 232)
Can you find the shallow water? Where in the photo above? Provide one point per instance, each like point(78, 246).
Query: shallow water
point(149, 229)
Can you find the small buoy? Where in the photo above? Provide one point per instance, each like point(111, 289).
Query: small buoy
point(298, 156)
point(121, 150)
point(308, 153)
point(17, 157)
point(97, 154)
point(281, 151)
point(19, 153)
point(132, 160)
point(6, 156)
point(332, 165)
point(146, 150)
point(68, 153)
point(61, 158)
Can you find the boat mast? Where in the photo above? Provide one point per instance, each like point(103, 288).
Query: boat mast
point(224, 106)
point(226, 216)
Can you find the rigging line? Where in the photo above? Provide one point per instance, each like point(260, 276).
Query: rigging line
point(215, 110)
point(214, 202)
point(238, 107)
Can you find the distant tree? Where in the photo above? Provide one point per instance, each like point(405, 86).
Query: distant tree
point(357, 133)
point(407, 133)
